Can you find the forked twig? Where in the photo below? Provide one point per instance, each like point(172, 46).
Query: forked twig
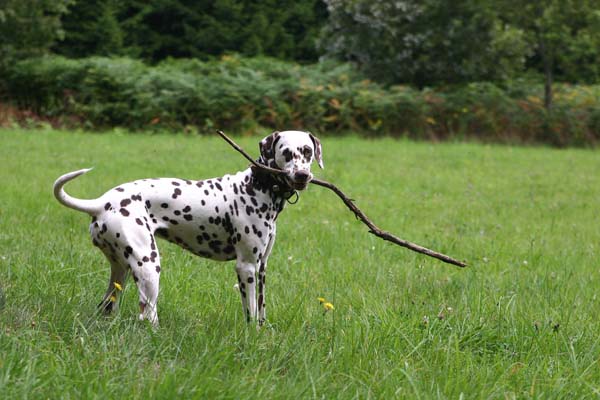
point(357, 212)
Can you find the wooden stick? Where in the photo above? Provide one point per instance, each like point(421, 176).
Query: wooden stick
point(357, 212)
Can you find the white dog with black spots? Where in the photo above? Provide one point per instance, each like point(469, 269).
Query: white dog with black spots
point(228, 218)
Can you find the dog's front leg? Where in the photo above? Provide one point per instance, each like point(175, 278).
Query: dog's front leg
point(262, 272)
point(246, 273)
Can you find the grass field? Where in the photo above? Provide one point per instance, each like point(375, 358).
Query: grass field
point(520, 322)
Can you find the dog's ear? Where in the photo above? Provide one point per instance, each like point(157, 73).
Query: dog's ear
point(318, 150)
point(267, 146)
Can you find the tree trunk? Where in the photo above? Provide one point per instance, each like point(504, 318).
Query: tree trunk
point(547, 60)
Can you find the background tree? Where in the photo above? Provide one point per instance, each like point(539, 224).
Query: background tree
point(91, 28)
point(423, 42)
point(157, 29)
point(563, 35)
point(29, 27)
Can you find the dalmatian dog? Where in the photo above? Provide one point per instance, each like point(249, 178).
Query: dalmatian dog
point(228, 218)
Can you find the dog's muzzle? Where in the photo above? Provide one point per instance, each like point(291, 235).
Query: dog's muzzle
point(300, 180)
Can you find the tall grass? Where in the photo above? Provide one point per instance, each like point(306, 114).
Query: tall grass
point(520, 322)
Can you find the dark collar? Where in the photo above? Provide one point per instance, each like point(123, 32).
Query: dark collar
point(275, 184)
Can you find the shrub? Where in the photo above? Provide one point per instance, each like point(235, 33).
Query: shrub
point(247, 93)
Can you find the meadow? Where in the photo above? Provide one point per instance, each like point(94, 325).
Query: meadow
point(520, 322)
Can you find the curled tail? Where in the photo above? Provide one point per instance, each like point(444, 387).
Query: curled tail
point(91, 207)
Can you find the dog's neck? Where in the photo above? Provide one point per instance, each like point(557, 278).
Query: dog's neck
point(278, 188)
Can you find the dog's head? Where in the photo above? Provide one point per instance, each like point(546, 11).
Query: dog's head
point(292, 152)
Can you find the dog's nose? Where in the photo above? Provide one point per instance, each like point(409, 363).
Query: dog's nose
point(302, 176)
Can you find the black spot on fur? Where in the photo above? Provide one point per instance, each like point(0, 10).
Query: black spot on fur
point(215, 245)
point(250, 190)
point(287, 154)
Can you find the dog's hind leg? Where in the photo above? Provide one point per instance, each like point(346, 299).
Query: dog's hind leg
point(110, 247)
point(148, 291)
point(145, 269)
point(116, 284)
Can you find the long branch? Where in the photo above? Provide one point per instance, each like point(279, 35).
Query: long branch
point(357, 212)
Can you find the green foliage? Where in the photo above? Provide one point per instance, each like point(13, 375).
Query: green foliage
point(247, 93)
point(520, 322)
point(29, 27)
point(158, 29)
point(427, 42)
point(564, 34)
point(422, 42)
point(92, 28)
point(559, 33)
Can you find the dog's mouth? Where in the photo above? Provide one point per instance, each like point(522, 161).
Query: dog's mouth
point(300, 180)
point(300, 185)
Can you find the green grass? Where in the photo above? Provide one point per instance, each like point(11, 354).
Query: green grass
point(520, 322)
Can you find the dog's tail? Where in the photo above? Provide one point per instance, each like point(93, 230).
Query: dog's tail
point(91, 207)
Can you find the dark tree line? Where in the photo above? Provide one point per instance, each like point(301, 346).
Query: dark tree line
point(157, 29)
point(417, 42)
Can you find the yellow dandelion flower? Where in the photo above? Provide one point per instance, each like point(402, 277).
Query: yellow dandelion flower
point(118, 286)
point(321, 300)
point(328, 306)
point(113, 298)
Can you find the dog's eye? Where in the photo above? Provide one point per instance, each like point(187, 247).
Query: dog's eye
point(307, 152)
